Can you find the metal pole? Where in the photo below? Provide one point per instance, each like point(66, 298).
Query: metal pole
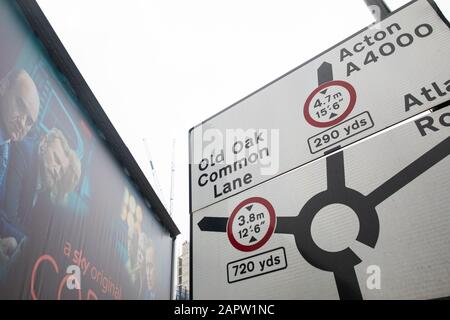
point(379, 9)
point(173, 290)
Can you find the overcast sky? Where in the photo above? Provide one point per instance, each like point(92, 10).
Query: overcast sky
point(160, 67)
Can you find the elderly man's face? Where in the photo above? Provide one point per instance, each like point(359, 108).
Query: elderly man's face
point(54, 163)
point(20, 107)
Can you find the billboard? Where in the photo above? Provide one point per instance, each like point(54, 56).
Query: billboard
point(72, 224)
point(386, 73)
point(367, 222)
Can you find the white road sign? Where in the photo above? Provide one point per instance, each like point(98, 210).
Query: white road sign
point(370, 221)
point(380, 76)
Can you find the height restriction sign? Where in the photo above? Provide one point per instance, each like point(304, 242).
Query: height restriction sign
point(329, 104)
point(251, 224)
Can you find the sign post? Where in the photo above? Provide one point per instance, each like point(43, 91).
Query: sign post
point(379, 8)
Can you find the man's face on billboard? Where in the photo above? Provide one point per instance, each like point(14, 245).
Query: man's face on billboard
point(54, 163)
point(7, 246)
point(19, 106)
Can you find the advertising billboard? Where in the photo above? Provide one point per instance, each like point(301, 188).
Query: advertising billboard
point(72, 223)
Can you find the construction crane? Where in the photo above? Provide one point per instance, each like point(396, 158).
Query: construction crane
point(172, 178)
point(156, 183)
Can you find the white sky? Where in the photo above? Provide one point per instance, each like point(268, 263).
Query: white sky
point(159, 67)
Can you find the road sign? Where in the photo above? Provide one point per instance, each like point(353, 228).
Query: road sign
point(251, 224)
point(370, 221)
point(335, 98)
point(378, 77)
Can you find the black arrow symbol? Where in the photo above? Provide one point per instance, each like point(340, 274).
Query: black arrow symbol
point(411, 172)
point(253, 239)
point(333, 115)
point(249, 208)
point(213, 224)
point(325, 73)
point(324, 91)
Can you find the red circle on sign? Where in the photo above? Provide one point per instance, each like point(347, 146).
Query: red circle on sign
point(269, 232)
point(349, 109)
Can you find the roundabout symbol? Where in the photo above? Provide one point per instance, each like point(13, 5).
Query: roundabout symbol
point(342, 263)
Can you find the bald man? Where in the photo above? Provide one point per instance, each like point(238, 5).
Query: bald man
point(19, 109)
